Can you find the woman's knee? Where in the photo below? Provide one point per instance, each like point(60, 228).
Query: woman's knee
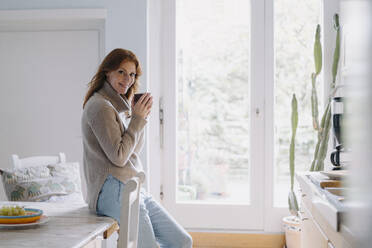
point(177, 240)
point(187, 243)
point(184, 242)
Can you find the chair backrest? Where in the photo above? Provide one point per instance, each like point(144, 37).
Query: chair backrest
point(129, 216)
point(37, 160)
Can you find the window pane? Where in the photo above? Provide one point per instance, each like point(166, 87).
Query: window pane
point(213, 100)
point(294, 24)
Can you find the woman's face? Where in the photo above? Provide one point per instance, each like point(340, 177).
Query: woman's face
point(122, 78)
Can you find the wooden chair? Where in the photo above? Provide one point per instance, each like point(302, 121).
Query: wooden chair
point(129, 216)
point(37, 160)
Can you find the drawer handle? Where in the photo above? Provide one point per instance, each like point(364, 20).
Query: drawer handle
point(300, 215)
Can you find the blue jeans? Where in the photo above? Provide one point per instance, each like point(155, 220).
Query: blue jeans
point(155, 224)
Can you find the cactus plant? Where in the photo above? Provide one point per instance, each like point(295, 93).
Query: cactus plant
point(318, 68)
point(336, 54)
point(292, 200)
point(325, 126)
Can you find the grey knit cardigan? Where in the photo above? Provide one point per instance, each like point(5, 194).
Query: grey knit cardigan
point(111, 140)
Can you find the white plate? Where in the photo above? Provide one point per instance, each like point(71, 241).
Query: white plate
point(44, 219)
point(336, 175)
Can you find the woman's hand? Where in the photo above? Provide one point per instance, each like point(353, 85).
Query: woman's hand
point(143, 106)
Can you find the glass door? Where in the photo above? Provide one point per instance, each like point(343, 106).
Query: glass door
point(213, 122)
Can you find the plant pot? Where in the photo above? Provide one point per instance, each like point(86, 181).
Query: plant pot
point(292, 228)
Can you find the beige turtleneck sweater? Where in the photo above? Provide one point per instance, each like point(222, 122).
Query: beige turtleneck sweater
point(111, 140)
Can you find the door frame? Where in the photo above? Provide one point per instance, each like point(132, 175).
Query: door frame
point(162, 71)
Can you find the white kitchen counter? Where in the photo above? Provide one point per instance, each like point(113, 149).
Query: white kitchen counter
point(69, 225)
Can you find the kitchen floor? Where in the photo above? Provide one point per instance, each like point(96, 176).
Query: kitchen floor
point(237, 240)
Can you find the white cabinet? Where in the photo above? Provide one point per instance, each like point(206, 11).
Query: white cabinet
point(95, 243)
point(318, 228)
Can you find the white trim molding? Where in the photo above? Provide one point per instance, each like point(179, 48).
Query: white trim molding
point(52, 14)
point(155, 86)
point(56, 19)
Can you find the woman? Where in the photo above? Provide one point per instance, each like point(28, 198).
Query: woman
point(113, 129)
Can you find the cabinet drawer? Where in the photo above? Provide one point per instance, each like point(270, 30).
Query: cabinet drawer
point(330, 245)
point(311, 234)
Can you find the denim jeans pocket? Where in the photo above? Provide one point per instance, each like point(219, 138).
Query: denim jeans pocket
point(119, 190)
point(103, 193)
point(110, 193)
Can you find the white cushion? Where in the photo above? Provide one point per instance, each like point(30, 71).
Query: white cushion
point(42, 183)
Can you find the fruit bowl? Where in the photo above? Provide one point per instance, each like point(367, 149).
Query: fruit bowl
point(31, 215)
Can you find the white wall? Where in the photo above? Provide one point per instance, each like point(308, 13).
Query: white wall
point(125, 24)
point(358, 77)
point(38, 105)
point(125, 27)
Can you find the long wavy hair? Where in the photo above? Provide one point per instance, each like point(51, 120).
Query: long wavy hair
point(110, 63)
